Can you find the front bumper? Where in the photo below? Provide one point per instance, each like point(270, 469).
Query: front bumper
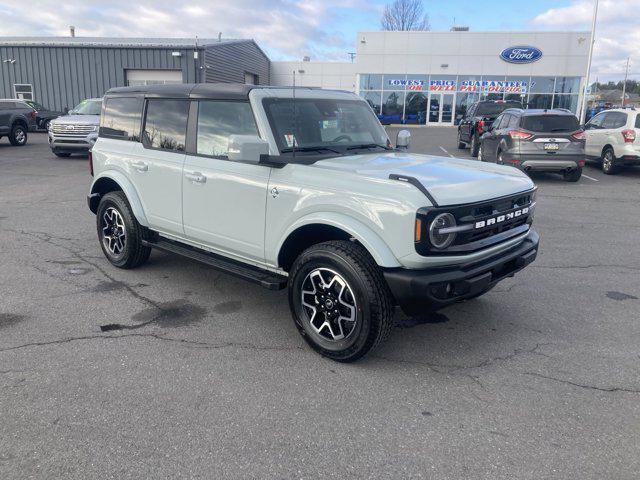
point(73, 145)
point(418, 291)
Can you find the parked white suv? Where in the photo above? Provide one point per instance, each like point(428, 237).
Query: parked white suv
point(613, 138)
point(301, 189)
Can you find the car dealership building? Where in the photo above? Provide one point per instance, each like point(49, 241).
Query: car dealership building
point(432, 77)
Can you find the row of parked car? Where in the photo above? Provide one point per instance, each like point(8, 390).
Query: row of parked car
point(550, 140)
point(72, 132)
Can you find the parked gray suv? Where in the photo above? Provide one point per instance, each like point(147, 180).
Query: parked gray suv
point(78, 131)
point(16, 119)
point(536, 140)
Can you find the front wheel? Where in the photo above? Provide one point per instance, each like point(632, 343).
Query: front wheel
point(119, 232)
point(572, 175)
point(340, 302)
point(18, 136)
point(608, 162)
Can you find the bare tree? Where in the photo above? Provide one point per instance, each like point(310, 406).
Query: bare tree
point(405, 15)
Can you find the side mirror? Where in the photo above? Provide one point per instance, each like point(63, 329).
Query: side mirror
point(402, 139)
point(247, 148)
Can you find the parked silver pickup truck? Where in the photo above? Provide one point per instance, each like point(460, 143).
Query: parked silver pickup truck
point(301, 189)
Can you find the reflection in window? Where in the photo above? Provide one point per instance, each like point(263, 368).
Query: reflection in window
point(542, 84)
point(373, 99)
point(463, 102)
point(218, 120)
point(121, 118)
point(394, 81)
point(567, 84)
point(416, 108)
point(570, 102)
point(539, 101)
point(370, 82)
point(392, 103)
point(166, 124)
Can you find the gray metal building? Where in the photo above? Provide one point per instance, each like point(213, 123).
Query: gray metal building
point(59, 72)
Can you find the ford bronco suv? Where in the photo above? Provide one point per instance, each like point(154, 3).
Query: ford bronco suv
point(301, 189)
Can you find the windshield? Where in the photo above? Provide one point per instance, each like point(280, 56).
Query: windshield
point(35, 105)
point(550, 123)
point(324, 125)
point(88, 107)
point(495, 109)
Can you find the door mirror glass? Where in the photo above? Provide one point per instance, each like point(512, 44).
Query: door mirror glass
point(402, 139)
point(247, 148)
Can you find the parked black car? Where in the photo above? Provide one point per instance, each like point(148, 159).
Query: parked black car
point(44, 115)
point(536, 140)
point(478, 119)
point(16, 119)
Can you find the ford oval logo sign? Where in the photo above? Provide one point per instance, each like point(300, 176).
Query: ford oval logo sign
point(521, 54)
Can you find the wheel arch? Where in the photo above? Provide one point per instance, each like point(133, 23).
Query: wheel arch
point(20, 121)
point(604, 149)
point(318, 228)
point(115, 181)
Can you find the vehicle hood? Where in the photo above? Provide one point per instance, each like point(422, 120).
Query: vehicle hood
point(78, 120)
point(450, 181)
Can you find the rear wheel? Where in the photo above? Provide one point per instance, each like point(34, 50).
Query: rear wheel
point(608, 162)
point(18, 135)
point(461, 144)
point(62, 154)
point(340, 302)
point(572, 175)
point(119, 232)
point(475, 145)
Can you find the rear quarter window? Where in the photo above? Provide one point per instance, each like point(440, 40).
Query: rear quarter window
point(120, 118)
point(637, 121)
point(550, 123)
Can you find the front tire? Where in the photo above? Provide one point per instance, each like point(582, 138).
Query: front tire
point(609, 162)
point(18, 136)
point(119, 232)
point(573, 175)
point(475, 145)
point(339, 300)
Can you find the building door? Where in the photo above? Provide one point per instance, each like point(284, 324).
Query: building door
point(440, 108)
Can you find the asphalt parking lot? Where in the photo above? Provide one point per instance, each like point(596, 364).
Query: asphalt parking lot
point(537, 379)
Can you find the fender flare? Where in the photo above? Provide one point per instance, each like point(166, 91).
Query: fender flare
point(370, 240)
point(129, 190)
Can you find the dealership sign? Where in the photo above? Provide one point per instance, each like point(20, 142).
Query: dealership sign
point(442, 86)
point(521, 54)
point(493, 86)
point(410, 84)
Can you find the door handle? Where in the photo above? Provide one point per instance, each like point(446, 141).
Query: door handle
point(196, 177)
point(140, 166)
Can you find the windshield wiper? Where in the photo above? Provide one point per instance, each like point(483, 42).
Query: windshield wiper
point(310, 149)
point(368, 145)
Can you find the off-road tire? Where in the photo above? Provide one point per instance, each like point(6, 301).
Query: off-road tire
point(475, 145)
point(608, 159)
point(461, 144)
point(372, 298)
point(572, 175)
point(62, 154)
point(18, 135)
point(134, 252)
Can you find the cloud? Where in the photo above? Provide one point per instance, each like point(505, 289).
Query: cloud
point(287, 29)
point(617, 32)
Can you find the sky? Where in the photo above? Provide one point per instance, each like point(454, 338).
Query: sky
point(326, 29)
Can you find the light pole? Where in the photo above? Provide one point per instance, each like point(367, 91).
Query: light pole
point(624, 85)
point(583, 109)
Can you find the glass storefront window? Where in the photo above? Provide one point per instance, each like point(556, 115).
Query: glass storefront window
point(370, 82)
point(516, 97)
point(416, 108)
point(394, 81)
point(492, 96)
point(463, 102)
point(542, 84)
point(392, 104)
point(567, 84)
point(442, 83)
point(570, 102)
point(493, 86)
point(516, 86)
point(469, 83)
point(539, 101)
point(373, 99)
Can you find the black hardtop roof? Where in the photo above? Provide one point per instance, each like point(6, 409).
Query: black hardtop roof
point(220, 91)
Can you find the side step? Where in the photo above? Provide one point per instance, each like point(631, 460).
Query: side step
point(265, 278)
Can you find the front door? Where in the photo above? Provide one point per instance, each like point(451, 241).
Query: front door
point(224, 201)
point(440, 108)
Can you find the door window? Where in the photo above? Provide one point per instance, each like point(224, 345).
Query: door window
point(217, 121)
point(498, 122)
point(637, 121)
point(614, 120)
point(166, 124)
point(596, 122)
point(121, 118)
point(514, 120)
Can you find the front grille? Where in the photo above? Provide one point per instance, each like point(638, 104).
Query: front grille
point(63, 130)
point(485, 221)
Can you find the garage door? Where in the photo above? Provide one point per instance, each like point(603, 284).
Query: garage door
point(153, 77)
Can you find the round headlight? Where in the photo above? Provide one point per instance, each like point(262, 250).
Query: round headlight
point(442, 240)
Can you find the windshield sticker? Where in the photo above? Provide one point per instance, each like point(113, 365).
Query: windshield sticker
point(290, 139)
point(326, 124)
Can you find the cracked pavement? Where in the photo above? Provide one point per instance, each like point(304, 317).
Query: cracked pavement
point(204, 376)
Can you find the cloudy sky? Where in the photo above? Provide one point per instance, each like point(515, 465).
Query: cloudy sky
point(324, 29)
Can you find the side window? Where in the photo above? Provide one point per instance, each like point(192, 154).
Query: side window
point(596, 122)
point(217, 120)
point(472, 111)
point(615, 120)
point(165, 124)
point(120, 118)
point(637, 125)
point(498, 122)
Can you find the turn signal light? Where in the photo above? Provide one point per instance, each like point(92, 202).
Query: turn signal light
point(629, 136)
point(417, 236)
point(579, 135)
point(519, 135)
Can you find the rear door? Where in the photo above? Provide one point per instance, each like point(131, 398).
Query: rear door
point(223, 201)
point(594, 138)
point(612, 127)
point(6, 110)
point(465, 124)
point(491, 138)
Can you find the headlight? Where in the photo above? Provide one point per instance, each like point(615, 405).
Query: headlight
point(50, 126)
point(441, 239)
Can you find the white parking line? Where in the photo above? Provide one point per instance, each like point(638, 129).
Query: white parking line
point(445, 151)
point(590, 178)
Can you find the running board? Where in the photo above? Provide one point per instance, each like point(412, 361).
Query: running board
point(265, 278)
